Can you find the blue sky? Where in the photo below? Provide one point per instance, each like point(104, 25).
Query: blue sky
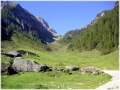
point(66, 15)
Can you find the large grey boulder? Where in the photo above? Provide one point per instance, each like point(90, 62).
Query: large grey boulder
point(28, 66)
point(72, 68)
point(91, 69)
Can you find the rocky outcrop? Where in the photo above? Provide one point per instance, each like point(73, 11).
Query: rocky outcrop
point(99, 16)
point(91, 69)
point(23, 52)
point(72, 68)
point(8, 70)
point(29, 66)
point(12, 54)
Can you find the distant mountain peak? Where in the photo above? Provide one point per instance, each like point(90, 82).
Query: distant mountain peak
point(41, 20)
point(45, 24)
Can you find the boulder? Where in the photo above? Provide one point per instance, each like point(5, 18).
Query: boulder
point(91, 69)
point(13, 54)
point(4, 69)
point(12, 71)
point(8, 70)
point(72, 68)
point(95, 73)
point(23, 52)
point(28, 66)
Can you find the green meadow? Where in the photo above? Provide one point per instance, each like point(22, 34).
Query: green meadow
point(58, 57)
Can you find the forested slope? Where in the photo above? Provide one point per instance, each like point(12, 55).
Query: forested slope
point(102, 35)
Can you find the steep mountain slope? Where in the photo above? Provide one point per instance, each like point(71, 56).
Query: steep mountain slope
point(14, 17)
point(101, 34)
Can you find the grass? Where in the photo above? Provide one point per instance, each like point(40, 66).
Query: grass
point(86, 58)
point(58, 58)
point(36, 80)
point(18, 41)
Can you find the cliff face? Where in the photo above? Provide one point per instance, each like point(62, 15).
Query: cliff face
point(36, 26)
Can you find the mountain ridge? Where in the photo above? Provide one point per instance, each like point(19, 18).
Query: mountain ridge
point(27, 22)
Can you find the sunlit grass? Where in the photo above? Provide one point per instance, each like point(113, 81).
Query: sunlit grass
point(85, 58)
point(58, 58)
point(48, 80)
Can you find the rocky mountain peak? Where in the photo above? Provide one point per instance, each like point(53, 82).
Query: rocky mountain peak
point(41, 20)
point(117, 3)
point(45, 24)
point(99, 15)
point(6, 3)
point(47, 27)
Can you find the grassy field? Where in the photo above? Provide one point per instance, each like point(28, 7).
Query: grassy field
point(58, 58)
point(53, 80)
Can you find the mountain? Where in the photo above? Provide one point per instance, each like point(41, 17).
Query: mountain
point(15, 18)
point(101, 34)
point(99, 16)
point(67, 38)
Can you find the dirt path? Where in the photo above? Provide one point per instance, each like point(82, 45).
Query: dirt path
point(114, 83)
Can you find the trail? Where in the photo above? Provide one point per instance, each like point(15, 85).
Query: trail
point(114, 83)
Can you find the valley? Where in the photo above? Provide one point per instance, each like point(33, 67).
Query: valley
point(58, 58)
point(34, 56)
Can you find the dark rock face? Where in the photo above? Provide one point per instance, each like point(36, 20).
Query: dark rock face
point(28, 66)
point(91, 69)
point(8, 70)
point(72, 68)
point(12, 71)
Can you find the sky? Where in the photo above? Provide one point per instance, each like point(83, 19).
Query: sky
point(64, 16)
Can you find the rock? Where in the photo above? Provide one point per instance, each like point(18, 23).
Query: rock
point(4, 69)
point(29, 66)
point(95, 73)
point(91, 69)
point(13, 54)
point(12, 71)
point(72, 68)
point(27, 53)
point(8, 70)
